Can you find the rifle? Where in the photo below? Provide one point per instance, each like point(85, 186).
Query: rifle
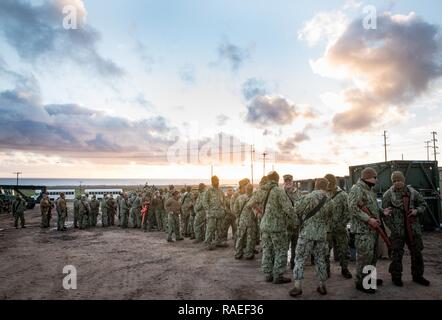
point(380, 230)
point(408, 221)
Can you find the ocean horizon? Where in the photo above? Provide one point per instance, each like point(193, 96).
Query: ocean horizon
point(106, 182)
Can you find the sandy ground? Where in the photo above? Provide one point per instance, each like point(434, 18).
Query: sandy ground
point(130, 264)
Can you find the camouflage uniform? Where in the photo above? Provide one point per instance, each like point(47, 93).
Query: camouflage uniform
point(229, 221)
point(62, 213)
point(45, 209)
point(200, 217)
point(278, 215)
point(192, 216)
point(18, 211)
point(83, 213)
point(365, 238)
point(104, 213)
point(157, 203)
point(173, 209)
point(124, 212)
point(312, 234)
point(135, 212)
point(186, 211)
point(246, 236)
point(76, 210)
point(214, 204)
point(95, 209)
point(396, 223)
point(293, 233)
point(337, 232)
point(111, 210)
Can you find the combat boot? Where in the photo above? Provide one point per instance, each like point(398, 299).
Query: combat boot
point(281, 279)
point(321, 288)
point(346, 273)
point(397, 281)
point(238, 256)
point(269, 278)
point(170, 240)
point(179, 239)
point(297, 290)
point(249, 257)
point(421, 280)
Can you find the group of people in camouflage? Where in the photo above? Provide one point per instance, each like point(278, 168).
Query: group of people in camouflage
point(281, 219)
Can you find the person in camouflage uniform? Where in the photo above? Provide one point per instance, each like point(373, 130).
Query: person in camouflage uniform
point(111, 210)
point(104, 211)
point(18, 211)
point(230, 218)
point(76, 210)
point(193, 214)
point(214, 204)
point(292, 233)
point(186, 211)
point(337, 231)
point(395, 221)
point(200, 214)
point(45, 209)
point(83, 213)
point(314, 212)
point(124, 211)
point(277, 215)
point(94, 205)
point(173, 209)
point(156, 203)
point(62, 212)
point(362, 224)
point(246, 238)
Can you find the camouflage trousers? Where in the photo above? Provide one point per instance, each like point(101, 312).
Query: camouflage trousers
point(165, 218)
point(245, 240)
point(229, 221)
point(135, 218)
point(304, 249)
point(61, 219)
point(105, 219)
point(190, 225)
point(366, 247)
point(19, 216)
point(274, 253)
point(214, 229)
point(93, 219)
point(174, 226)
point(417, 262)
point(184, 220)
point(83, 221)
point(46, 220)
point(159, 218)
point(340, 238)
point(292, 236)
point(199, 225)
point(123, 219)
point(76, 218)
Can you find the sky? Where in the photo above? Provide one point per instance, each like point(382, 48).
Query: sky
point(183, 89)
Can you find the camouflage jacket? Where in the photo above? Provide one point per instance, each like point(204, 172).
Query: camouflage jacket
point(76, 206)
point(362, 194)
point(84, 208)
point(396, 221)
point(228, 205)
point(124, 206)
point(111, 206)
point(199, 203)
point(256, 202)
point(95, 206)
point(187, 202)
point(233, 200)
point(18, 206)
point(45, 206)
point(173, 206)
point(340, 216)
point(246, 217)
point(62, 208)
point(214, 203)
point(314, 228)
point(278, 214)
point(294, 195)
point(103, 205)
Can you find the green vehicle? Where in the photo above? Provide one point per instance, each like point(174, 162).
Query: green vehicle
point(421, 175)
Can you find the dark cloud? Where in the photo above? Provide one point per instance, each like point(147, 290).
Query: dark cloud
point(267, 110)
point(222, 119)
point(397, 62)
point(233, 54)
point(36, 31)
point(253, 87)
point(68, 109)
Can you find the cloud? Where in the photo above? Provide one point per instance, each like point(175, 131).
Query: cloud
point(147, 59)
point(254, 87)
point(233, 55)
point(187, 74)
point(222, 119)
point(36, 32)
point(391, 67)
point(270, 110)
point(70, 129)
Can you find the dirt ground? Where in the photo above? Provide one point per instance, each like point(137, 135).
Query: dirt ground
point(130, 264)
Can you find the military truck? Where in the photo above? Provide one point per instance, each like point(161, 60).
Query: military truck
point(421, 175)
point(9, 192)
